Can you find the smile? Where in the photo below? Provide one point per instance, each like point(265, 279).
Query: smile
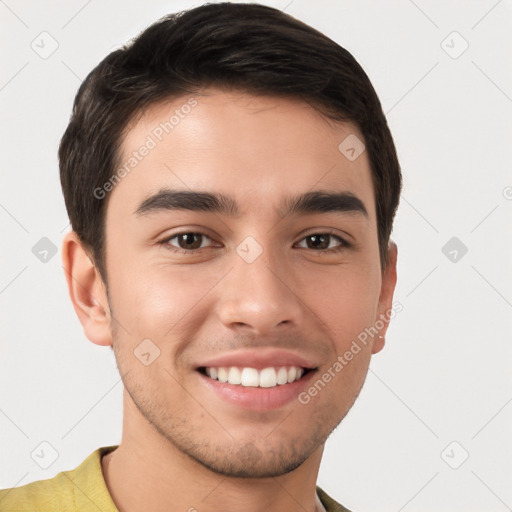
point(251, 377)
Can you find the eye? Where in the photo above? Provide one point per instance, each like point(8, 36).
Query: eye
point(187, 241)
point(321, 242)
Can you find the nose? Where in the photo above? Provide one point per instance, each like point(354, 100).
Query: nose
point(259, 297)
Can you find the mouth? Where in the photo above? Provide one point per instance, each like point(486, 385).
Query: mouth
point(269, 377)
point(259, 380)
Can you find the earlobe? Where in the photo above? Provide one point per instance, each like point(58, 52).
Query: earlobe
point(386, 297)
point(86, 290)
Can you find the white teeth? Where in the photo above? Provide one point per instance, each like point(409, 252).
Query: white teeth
point(234, 376)
point(222, 375)
point(292, 373)
point(282, 376)
point(250, 377)
point(268, 378)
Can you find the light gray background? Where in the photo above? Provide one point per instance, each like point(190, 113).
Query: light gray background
point(444, 374)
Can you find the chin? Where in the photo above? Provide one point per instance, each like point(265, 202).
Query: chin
point(250, 462)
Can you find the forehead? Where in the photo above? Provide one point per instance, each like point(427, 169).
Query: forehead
point(255, 148)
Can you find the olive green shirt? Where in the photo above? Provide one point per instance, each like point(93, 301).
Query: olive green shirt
point(83, 489)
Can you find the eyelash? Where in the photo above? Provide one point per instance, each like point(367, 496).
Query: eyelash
point(165, 242)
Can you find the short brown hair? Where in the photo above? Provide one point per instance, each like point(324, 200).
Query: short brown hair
point(248, 47)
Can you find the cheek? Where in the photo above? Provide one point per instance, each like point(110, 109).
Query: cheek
point(155, 301)
point(346, 302)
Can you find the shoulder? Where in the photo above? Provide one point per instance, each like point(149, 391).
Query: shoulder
point(330, 504)
point(43, 495)
point(68, 491)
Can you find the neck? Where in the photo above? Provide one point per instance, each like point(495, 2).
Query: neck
point(147, 472)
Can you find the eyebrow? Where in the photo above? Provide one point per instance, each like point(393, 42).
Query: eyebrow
point(318, 201)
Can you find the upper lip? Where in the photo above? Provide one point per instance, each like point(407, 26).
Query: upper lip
point(259, 359)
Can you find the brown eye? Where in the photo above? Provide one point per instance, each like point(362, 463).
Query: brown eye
point(187, 242)
point(322, 242)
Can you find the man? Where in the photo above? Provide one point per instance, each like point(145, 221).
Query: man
point(231, 184)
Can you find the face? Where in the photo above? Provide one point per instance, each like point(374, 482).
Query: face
point(249, 286)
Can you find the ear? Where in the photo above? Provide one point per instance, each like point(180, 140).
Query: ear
point(86, 290)
point(386, 297)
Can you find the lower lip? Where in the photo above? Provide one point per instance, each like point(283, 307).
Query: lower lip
point(258, 399)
